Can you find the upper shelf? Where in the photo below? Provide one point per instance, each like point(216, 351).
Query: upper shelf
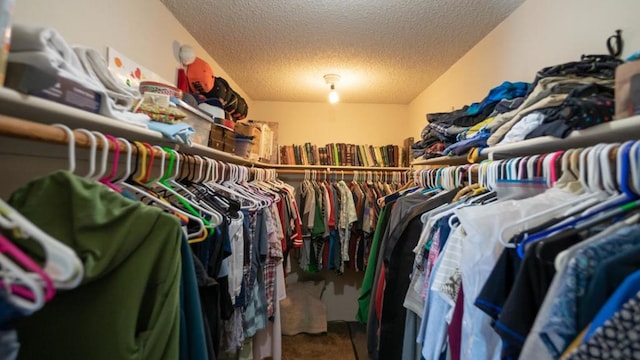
point(32, 108)
point(611, 132)
point(442, 160)
point(15, 104)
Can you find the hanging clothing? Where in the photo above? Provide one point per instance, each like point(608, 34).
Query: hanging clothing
point(120, 256)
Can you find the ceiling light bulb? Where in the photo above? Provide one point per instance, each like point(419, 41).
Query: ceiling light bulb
point(333, 95)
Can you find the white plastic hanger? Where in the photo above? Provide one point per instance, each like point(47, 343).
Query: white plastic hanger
point(12, 273)
point(72, 146)
point(156, 201)
point(216, 218)
point(92, 152)
point(215, 184)
point(105, 156)
point(61, 263)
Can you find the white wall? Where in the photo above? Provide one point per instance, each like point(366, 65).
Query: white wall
point(538, 34)
point(323, 123)
point(143, 30)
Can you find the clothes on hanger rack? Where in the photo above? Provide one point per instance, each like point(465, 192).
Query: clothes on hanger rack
point(338, 221)
point(190, 258)
point(542, 275)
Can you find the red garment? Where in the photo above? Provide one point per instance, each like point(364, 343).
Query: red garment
point(297, 235)
point(332, 216)
point(454, 331)
point(380, 292)
point(325, 254)
point(183, 83)
point(280, 205)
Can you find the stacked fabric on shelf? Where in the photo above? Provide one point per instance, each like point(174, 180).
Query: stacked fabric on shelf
point(48, 51)
point(465, 124)
point(563, 98)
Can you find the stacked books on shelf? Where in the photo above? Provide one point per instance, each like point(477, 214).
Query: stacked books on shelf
point(340, 154)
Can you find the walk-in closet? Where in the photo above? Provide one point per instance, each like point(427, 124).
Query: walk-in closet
point(292, 180)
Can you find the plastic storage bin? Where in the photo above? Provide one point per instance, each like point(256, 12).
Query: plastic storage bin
point(243, 147)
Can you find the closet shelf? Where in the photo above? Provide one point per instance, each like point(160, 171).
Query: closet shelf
point(442, 160)
point(29, 109)
point(610, 132)
point(26, 108)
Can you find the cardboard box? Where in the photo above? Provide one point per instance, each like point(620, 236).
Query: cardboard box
point(222, 138)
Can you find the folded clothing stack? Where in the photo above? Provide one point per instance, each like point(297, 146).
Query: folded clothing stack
point(563, 98)
point(45, 49)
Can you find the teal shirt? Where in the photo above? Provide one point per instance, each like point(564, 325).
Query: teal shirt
point(127, 306)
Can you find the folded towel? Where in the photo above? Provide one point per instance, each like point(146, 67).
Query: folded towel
point(177, 132)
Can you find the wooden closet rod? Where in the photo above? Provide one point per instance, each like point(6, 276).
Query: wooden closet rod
point(30, 130)
point(337, 172)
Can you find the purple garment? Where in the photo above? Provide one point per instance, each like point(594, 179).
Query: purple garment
point(454, 331)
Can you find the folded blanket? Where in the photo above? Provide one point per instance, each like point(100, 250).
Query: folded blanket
point(177, 132)
point(96, 67)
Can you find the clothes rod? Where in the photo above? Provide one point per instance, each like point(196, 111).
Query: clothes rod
point(333, 171)
point(30, 130)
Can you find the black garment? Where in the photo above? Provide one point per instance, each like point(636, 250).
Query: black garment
point(506, 105)
point(373, 323)
point(608, 276)
point(433, 202)
point(601, 66)
point(460, 117)
point(398, 280)
point(397, 253)
point(585, 106)
point(208, 290)
point(529, 290)
point(499, 284)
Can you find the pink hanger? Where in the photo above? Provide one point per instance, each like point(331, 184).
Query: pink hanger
point(7, 247)
point(114, 168)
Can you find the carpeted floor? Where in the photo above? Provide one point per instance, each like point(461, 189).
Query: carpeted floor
point(343, 340)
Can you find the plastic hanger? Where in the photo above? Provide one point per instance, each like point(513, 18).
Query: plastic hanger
point(105, 155)
point(92, 152)
point(26, 263)
point(29, 295)
point(106, 180)
point(167, 183)
point(61, 264)
point(615, 206)
point(226, 186)
point(634, 157)
point(71, 146)
point(128, 176)
point(231, 206)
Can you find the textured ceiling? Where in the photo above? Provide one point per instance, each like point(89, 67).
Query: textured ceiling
point(387, 51)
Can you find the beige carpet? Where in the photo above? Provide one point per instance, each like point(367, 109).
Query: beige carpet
point(335, 344)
